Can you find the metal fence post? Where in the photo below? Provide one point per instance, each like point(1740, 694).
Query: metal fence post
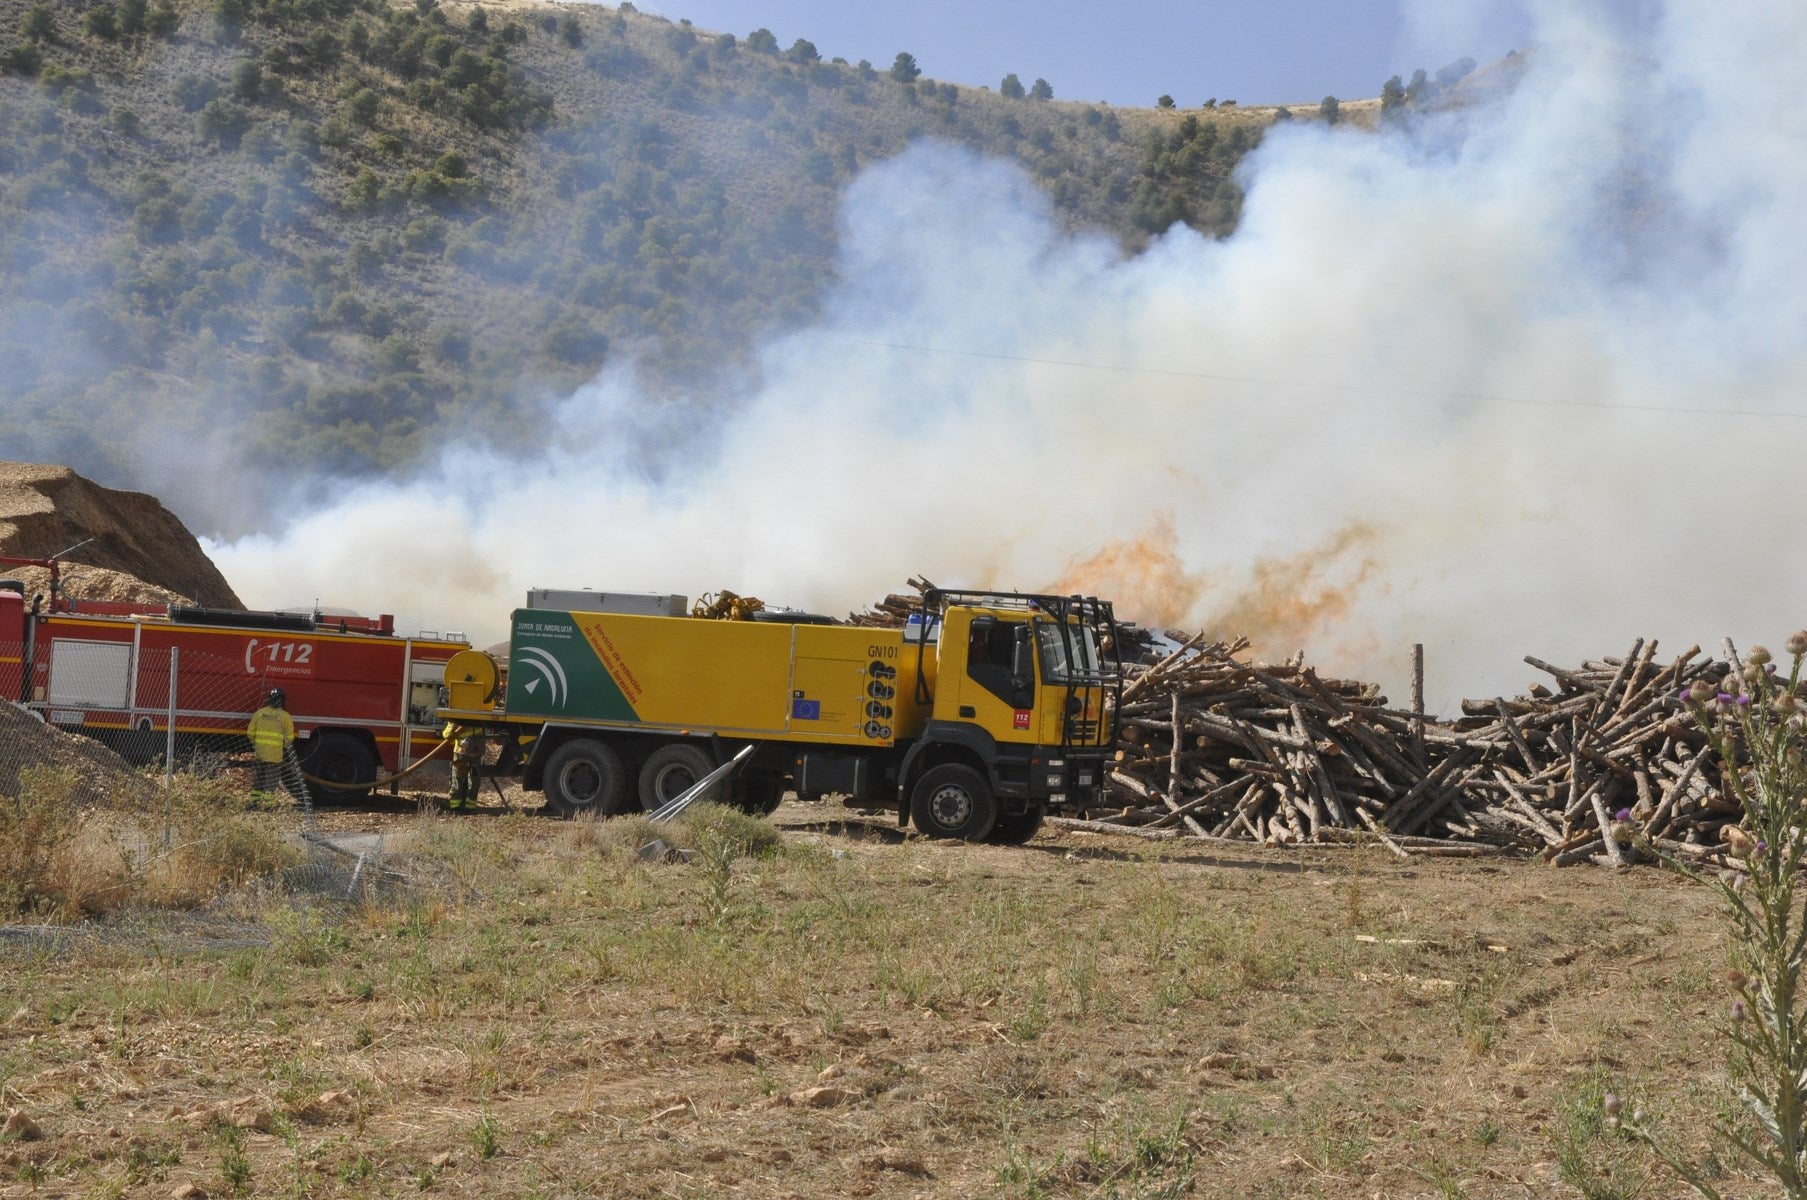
point(169, 742)
point(169, 739)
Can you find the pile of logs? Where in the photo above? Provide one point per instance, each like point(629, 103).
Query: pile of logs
point(1609, 767)
point(1605, 765)
point(893, 612)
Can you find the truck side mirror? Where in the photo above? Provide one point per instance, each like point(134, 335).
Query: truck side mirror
point(1022, 660)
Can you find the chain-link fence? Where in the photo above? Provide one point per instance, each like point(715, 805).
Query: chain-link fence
point(128, 781)
point(162, 711)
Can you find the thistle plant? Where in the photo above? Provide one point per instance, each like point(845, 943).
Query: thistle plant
point(1755, 722)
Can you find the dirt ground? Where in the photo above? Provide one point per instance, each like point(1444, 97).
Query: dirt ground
point(866, 1013)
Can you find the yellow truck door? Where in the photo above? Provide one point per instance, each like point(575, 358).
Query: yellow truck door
point(985, 675)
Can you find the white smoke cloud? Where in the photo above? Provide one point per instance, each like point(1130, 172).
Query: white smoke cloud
point(1479, 383)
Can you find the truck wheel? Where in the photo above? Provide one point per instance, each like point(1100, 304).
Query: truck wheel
point(757, 794)
point(585, 775)
point(953, 801)
point(670, 771)
point(344, 762)
point(1015, 830)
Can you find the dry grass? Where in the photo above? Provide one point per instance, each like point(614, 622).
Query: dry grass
point(61, 860)
point(1073, 1018)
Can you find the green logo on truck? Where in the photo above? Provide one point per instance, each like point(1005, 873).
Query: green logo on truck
point(554, 671)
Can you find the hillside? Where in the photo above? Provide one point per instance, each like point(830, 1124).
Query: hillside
point(310, 234)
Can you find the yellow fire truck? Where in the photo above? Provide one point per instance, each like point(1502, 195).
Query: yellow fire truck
point(981, 715)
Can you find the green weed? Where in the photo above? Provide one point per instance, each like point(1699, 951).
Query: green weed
point(235, 1164)
point(304, 937)
point(1594, 1154)
point(357, 1170)
point(486, 1138)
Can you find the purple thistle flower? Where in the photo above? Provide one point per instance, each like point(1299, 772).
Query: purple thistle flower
point(1762, 845)
point(1744, 702)
point(1624, 814)
point(1737, 1010)
point(1724, 697)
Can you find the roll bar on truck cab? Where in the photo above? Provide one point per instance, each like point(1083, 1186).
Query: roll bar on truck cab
point(984, 713)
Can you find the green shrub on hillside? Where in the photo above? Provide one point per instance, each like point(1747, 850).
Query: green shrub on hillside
point(39, 23)
point(223, 122)
point(21, 58)
point(101, 21)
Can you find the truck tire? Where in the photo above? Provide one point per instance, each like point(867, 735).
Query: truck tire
point(1014, 830)
point(953, 801)
point(757, 794)
point(585, 775)
point(343, 761)
point(670, 771)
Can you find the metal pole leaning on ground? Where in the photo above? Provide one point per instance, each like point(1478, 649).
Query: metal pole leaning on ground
point(678, 804)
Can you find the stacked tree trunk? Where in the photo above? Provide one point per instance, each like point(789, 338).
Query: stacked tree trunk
point(893, 612)
point(1606, 766)
point(1225, 748)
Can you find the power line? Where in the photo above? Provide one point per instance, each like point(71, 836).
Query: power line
point(1419, 394)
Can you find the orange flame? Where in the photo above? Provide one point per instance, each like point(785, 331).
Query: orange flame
point(1292, 601)
point(1286, 603)
point(1144, 578)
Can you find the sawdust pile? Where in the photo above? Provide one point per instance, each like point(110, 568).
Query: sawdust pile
point(140, 551)
point(105, 779)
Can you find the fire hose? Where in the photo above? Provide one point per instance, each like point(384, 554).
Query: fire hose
point(375, 783)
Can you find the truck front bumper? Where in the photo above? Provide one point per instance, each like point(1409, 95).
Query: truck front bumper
point(1052, 779)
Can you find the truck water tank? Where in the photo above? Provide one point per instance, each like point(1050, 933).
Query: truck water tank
point(633, 604)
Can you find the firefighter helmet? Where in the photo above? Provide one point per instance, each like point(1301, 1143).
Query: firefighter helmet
point(277, 698)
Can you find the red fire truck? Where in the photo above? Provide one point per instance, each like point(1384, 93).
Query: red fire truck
point(360, 696)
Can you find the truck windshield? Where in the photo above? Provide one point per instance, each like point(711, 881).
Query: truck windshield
point(1072, 659)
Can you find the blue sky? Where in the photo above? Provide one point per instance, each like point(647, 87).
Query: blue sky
point(1131, 51)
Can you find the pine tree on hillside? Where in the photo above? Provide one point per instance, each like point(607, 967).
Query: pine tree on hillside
point(1392, 99)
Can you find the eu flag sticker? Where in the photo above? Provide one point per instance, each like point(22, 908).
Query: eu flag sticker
point(806, 710)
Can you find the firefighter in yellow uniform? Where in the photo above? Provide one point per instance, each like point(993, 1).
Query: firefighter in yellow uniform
point(467, 753)
point(271, 733)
